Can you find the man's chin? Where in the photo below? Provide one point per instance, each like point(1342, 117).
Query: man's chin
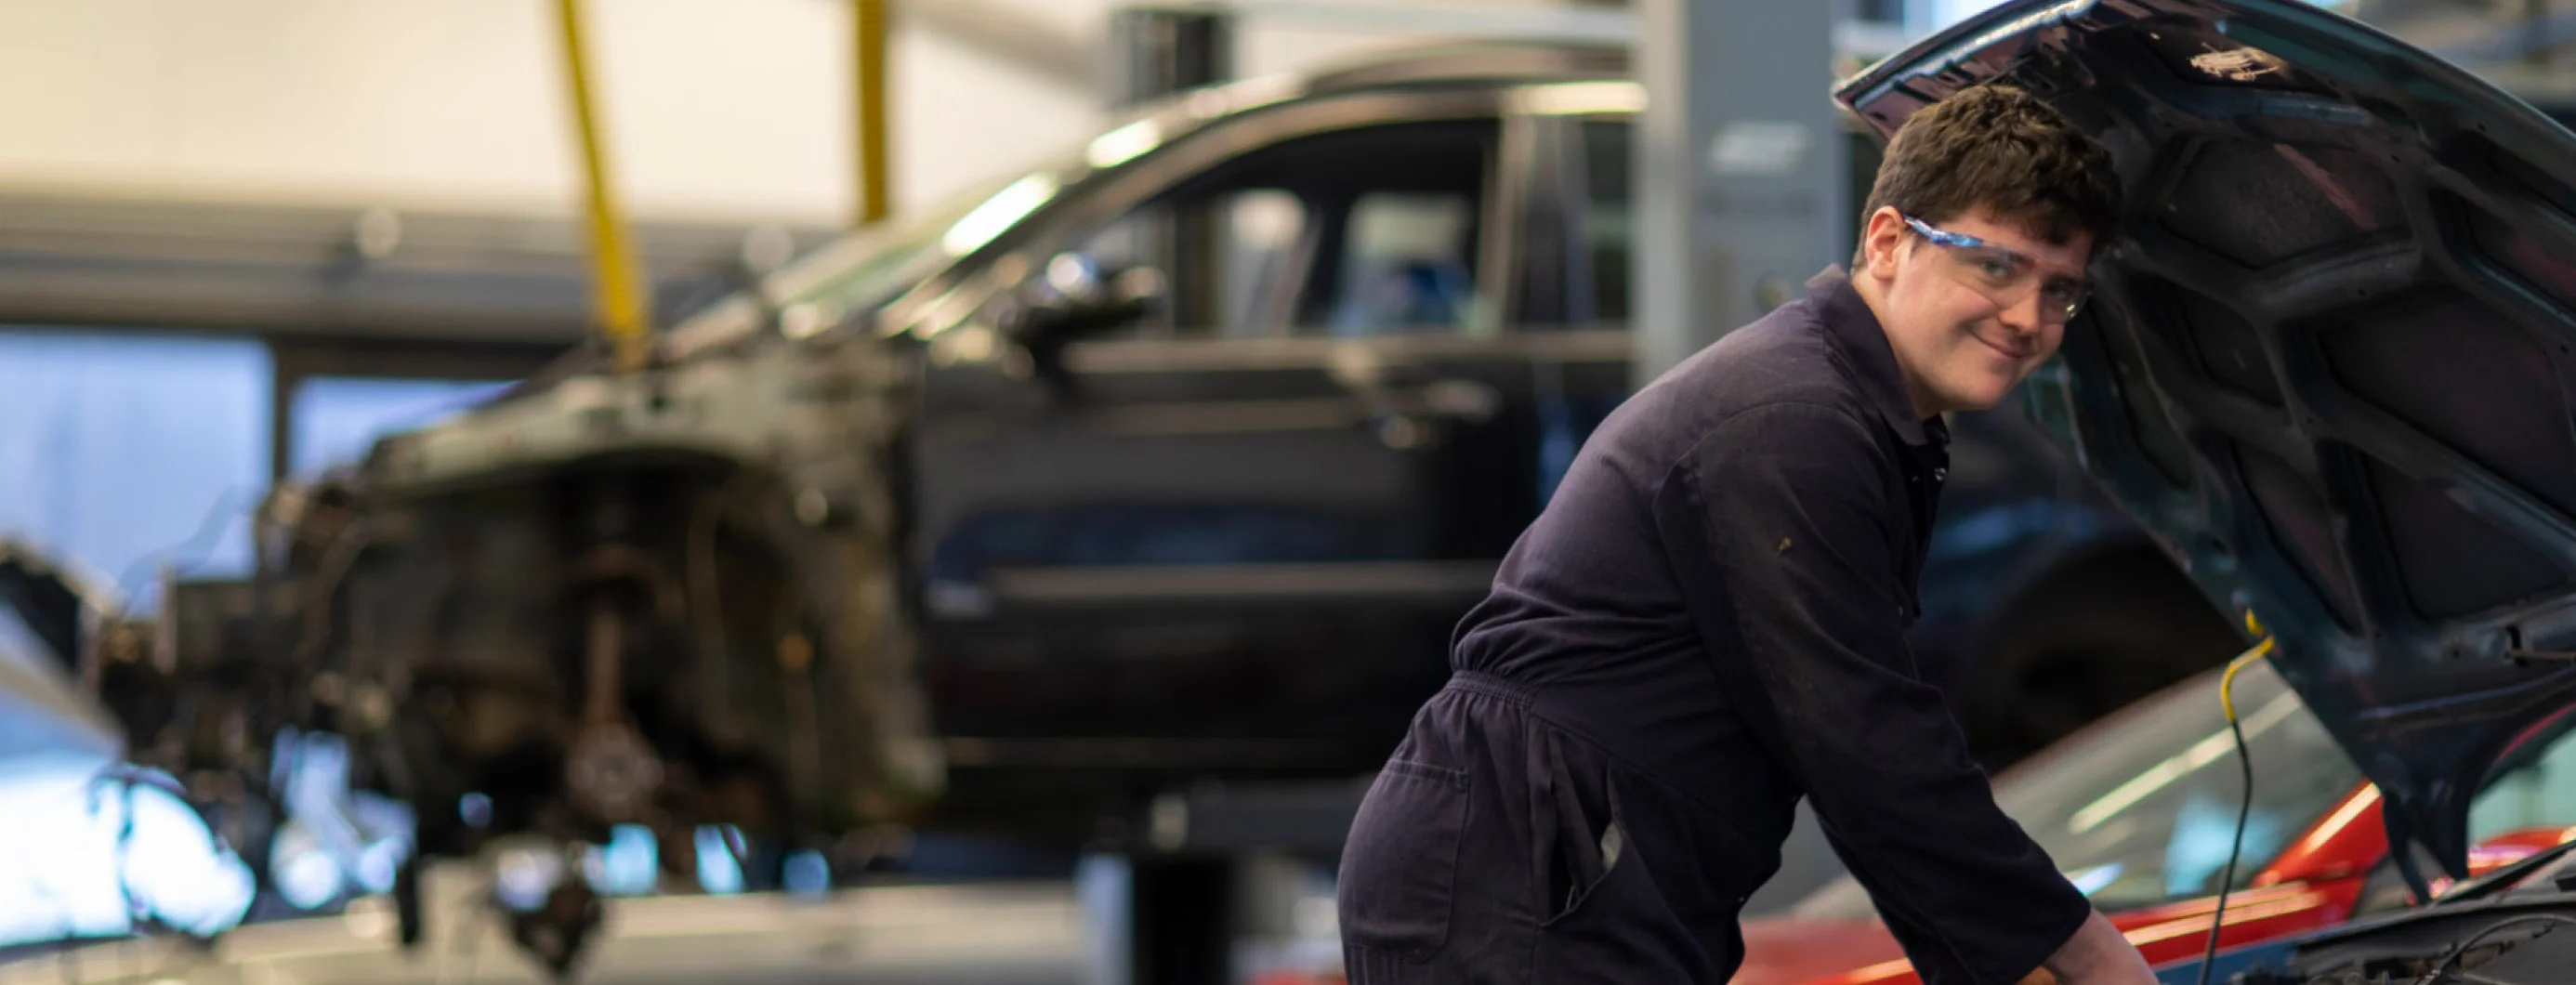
point(1986, 396)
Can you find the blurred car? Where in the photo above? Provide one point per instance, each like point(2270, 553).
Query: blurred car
point(2138, 810)
point(44, 710)
point(1170, 463)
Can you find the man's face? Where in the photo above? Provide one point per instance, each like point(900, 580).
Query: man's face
point(1971, 303)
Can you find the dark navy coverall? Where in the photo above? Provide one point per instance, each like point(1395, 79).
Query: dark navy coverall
point(1705, 624)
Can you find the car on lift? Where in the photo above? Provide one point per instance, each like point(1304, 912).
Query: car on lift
point(1173, 460)
point(1176, 458)
point(1222, 424)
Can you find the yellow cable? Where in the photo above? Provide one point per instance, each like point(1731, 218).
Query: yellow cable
point(2227, 700)
point(618, 294)
point(2227, 681)
point(868, 51)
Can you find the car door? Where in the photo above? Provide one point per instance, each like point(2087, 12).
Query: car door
point(1571, 298)
point(1240, 517)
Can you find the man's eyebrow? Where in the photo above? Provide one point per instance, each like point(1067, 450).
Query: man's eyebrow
point(2079, 275)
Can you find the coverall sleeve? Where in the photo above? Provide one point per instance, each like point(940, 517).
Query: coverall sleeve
point(1779, 526)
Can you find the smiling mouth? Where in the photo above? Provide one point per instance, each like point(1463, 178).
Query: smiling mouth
point(2016, 355)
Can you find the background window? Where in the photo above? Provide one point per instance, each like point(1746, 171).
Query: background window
point(124, 452)
point(336, 419)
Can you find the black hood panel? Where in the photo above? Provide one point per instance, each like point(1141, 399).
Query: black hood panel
point(2331, 356)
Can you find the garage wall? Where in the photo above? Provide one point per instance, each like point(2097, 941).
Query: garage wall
point(722, 112)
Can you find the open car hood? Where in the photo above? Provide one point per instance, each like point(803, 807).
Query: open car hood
point(2328, 362)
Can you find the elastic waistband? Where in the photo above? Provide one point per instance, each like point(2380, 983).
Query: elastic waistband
point(1479, 682)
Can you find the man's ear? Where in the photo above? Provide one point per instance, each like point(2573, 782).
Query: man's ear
point(1880, 240)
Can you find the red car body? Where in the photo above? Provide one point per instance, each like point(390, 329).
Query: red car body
point(2315, 883)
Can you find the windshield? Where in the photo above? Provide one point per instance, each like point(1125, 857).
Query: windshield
point(2140, 812)
point(865, 268)
point(862, 270)
point(859, 271)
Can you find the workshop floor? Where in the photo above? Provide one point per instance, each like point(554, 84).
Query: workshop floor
point(913, 935)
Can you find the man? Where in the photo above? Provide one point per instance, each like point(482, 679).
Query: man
point(1707, 623)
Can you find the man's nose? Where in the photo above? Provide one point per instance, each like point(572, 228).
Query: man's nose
point(2022, 314)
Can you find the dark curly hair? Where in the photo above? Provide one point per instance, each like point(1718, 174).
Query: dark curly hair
point(1999, 147)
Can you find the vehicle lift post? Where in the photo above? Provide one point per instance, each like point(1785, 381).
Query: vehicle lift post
point(1167, 904)
point(1740, 166)
point(1193, 871)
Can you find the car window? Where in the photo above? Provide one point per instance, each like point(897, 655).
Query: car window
point(2533, 793)
point(1605, 225)
point(1605, 231)
point(2536, 790)
point(1352, 233)
point(1407, 264)
point(2140, 811)
point(1251, 235)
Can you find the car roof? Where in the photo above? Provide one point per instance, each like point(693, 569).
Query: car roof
point(1473, 62)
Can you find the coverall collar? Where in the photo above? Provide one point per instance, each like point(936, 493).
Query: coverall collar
point(1855, 330)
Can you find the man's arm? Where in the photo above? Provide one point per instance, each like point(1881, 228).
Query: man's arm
point(2097, 953)
point(1779, 528)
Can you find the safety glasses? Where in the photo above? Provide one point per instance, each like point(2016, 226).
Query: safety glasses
point(2002, 275)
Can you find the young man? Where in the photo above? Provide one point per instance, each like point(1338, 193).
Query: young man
point(1707, 623)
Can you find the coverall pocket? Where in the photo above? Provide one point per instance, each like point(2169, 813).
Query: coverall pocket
point(1400, 866)
point(1585, 852)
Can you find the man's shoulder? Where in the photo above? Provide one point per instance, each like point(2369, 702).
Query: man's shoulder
point(1781, 361)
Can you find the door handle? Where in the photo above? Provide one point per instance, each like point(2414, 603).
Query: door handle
point(1418, 418)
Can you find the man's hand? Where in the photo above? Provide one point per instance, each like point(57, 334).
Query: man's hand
point(2096, 955)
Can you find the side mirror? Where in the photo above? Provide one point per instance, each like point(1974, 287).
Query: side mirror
point(1074, 298)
